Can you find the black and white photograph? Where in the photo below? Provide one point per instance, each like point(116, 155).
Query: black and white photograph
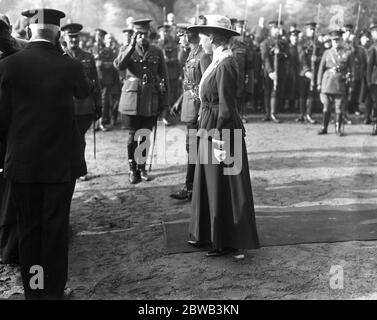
point(199, 152)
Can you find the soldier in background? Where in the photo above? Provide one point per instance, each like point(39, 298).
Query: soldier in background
point(333, 75)
point(260, 31)
point(105, 74)
point(244, 57)
point(111, 51)
point(352, 43)
point(144, 94)
point(307, 60)
point(196, 63)
point(292, 76)
point(274, 44)
point(372, 75)
point(365, 98)
point(89, 109)
point(168, 43)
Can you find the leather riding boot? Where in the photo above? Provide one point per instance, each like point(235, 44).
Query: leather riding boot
point(143, 173)
point(134, 174)
point(325, 123)
point(309, 107)
point(339, 123)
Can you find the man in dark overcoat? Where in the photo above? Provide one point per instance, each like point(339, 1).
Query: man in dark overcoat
point(44, 155)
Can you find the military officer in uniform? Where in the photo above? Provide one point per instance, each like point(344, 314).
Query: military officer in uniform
point(144, 93)
point(308, 70)
point(168, 43)
point(90, 108)
point(110, 52)
point(292, 76)
point(274, 75)
point(244, 58)
point(334, 74)
point(365, 98)
point(372, 75)
point(104, 60)
point(353, 91)
point(196, 63)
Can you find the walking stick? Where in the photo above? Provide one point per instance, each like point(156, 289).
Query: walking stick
point(154, 143)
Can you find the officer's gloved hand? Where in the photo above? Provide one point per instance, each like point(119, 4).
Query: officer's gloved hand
point(272, 76)
point(308, 74)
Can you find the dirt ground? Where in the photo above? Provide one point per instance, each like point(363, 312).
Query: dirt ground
point(118, 252)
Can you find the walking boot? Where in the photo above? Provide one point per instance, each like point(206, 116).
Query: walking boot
point(273, 110)
point(374, 131)
point(310, 119)
point(309, 107)
point(184, 194)
point(267, 109)
point(143, 173)
point(302, 110)
point(134, 174)
point(325, 123)
point(339, 124)
point(367, 120)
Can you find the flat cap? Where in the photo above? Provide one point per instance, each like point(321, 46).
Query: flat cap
point(44, 16)
point(142, 24)
point(72, 29)
point(101, 31)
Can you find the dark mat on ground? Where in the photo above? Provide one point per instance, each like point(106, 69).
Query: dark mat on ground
point(289, 227)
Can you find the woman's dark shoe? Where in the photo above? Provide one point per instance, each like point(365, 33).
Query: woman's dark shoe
point(184, 194)
point(220, 253)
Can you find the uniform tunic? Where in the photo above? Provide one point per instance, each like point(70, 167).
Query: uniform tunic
point(222, 205)
point(268, 60)
point(196, 63)
point(334, 66)
point(141, 94)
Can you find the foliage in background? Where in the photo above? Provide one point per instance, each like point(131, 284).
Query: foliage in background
point(111, 14)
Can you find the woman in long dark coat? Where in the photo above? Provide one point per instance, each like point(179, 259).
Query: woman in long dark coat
point(222, 206)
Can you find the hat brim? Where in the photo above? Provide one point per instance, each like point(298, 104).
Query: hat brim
point(206, 29)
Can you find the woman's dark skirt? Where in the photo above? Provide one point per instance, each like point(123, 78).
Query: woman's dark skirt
point(222, 205)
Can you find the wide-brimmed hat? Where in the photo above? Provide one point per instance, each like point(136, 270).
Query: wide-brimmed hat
point(216, 23)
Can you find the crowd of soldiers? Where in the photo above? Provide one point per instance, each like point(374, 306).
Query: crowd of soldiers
point(280, 70)
point(154, 73)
